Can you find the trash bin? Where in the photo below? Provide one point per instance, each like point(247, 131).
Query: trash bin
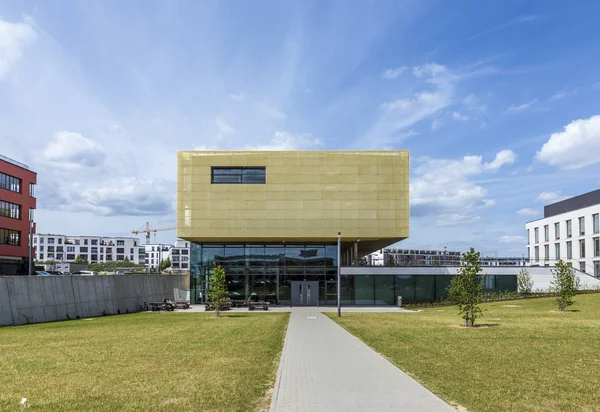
point(399, 301)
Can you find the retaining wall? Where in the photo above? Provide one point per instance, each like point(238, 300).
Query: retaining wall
point(36, 299)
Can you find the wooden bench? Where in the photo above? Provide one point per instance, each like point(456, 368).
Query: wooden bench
point(182, 304)
point(260, 305)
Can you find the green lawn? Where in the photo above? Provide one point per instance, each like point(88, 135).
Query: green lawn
point(530, 358)
point(143, 362)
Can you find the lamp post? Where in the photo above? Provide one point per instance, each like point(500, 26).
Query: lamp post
point(339, 277)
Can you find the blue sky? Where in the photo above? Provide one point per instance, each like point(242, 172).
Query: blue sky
point(498, 102)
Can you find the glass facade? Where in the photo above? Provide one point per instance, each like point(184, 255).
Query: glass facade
point(266, 271)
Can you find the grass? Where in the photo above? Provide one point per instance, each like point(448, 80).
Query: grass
point(529, 358)
point(145, 361)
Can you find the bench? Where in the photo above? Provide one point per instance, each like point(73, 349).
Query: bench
point(182, 304)
point(260, 305)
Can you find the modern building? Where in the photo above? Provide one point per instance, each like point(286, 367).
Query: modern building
point(17, 206)
point(569, 231)
point(413, 257)
point(271, 219)
point(178, 254)
point(93, 249)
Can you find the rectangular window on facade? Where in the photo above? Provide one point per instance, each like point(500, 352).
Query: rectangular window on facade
point(120, 250)
point(83, 249)
point(10, 237)
point(11, 183)
point(596, 242)
point(70, 249)
point(569, 228)
point(41, 241)
point(557, 230)
point(70, 256)
point(247, 175)
point(536, 234)
point(50, 240)
point(582, 266)
point(10, 210)
point(60, 241)
point(596, 220)
point(85, 242)
point(537, 253)
point(582, 248)
point(31, 190)
point(557, 251)
point(569, 250)
point(94, 242)
point(546, 252)
point(120, 243)
point(581, 226)
point(546, 233)
point(120, 257)
point(528, 236)
point(42, 248)
point(597, 268)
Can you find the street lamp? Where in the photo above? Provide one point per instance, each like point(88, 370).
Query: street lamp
point(339, 271)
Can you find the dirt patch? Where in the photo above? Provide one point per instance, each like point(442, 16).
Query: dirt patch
point(512, 306)
point(469, 327)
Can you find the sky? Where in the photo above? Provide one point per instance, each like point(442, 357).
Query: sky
point(498, 103)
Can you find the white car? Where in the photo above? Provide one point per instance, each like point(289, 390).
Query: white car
point(86, 273)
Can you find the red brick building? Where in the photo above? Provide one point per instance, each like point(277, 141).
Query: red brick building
point(17, 202)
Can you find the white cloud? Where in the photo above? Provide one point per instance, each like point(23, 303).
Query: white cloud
point(274, 113)
point(575, 147)
point(223, 127)
point(237, 97)
point(562, 95)
point(551, 197)
point(528, 212)
point(393, 73)
point(72, 150)
point(444, 188)
point(431, 70)
point(13, 38)
point(512, 239)
point(283, 140)
point(436, 124)
point(460, 117)
point(521, 107)
point(502, 158)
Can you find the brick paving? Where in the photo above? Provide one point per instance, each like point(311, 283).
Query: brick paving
point(324, 368)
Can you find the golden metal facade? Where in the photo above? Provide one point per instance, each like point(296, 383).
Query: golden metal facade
point(308, 196)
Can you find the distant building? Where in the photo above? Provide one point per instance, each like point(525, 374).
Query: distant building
point(17, 204)
point(569, 231)
point(413, 257)
point(178, 254)
point(93, 249)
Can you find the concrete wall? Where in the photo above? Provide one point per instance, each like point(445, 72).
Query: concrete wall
point(35, 299)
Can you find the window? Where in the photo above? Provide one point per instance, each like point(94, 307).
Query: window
point(581, 226)
point(582, 248)
point(83, 249)
point(94, 242)
point(120, 250)
point(10, 237)
point(50, 240)
point(120, 257)
point(569, 228)
point(597, 268)
point(569, 250)
point(546, 233)
point(131, 251)
point(596, 219)
point(536, 232)
point(250, 175)
point(59, 249)
point(59, 256)
point(108, 258)
point(582, 266)
point(41, 256)
point(94, 258)
point(70, 256)
point(557, 251)
point(35, 240)
point(546, 252)
point(41, 241)
point(131, 258)
point(50, 248)
point(31, 190)
point(70, 249)
point(184, 252)
point(537, 253)
point(557, 230)
point(11, 183)
point(153, 248)
point(109, 250)
point(101, 250)
point(93, 250)
point(596, 242)
point(85, 242)
point(120, 243)
point(11, 210)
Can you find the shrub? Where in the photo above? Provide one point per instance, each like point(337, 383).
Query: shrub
point(524, 282)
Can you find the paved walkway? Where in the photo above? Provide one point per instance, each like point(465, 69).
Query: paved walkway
point(324, 368)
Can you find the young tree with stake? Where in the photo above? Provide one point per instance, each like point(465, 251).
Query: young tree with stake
point(218, 292)
point(465, 288)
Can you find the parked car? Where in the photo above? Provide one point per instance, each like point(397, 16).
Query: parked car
point(55, 272)
point(85, 273)
point(42, 273)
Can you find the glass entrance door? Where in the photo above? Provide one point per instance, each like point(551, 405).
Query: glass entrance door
point(305, 293)
point(331, 291)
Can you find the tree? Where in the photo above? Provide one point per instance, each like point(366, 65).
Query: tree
point(564, 284)
point(465, 288)
point(81, 260)
point(218, 288)
point(390, 261)
point(360, 262)
point(524, 282)
point(165, 264)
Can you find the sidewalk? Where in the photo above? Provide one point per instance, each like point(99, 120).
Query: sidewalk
point(324, 368)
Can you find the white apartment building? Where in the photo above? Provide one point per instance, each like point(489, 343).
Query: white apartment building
point(569, 230)
point(94, 249)
point(413, 257)
point(178, 254)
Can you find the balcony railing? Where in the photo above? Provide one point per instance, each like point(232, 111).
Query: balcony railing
point(14, 162)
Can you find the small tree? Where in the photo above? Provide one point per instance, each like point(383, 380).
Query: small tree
point(564, 284)
point(524, 282)
point(165, 264)
point(79, 259)
point(465, 288)
point(390, 261)
point(218, 288)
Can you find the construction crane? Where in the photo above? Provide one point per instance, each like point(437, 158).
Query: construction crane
point(147, 231)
